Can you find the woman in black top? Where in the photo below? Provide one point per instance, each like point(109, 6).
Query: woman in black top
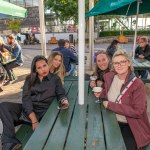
point(39, 90)
point(112, 48)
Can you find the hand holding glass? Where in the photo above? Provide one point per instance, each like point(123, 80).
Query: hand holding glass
point(97, 91)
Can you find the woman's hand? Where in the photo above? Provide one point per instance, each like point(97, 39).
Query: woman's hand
point(35, 125)
point(34, 120)
point(99, 83)
point(65, 102)
point(92, 84)
point(105, 103)
point(141, 56)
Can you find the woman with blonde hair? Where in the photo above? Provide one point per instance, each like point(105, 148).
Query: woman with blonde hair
point(126, 97)
point(56, 66)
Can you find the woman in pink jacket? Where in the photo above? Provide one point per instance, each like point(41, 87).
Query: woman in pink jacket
point(127, 98)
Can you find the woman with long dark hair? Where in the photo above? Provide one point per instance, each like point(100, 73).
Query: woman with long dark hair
point(39, 90)
point(102, 66)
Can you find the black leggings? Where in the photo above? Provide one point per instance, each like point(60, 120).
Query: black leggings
point(128, 136)
point(9, 68)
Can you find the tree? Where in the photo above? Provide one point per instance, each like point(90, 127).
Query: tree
point(14, 24)
point(65, 9)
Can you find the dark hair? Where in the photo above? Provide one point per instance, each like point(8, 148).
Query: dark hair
point(67, 41)
point(33, 74)
point(61, 43)
point(113, 43)
point(96, 66)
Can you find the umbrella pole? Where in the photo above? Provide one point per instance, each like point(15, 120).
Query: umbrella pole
point(91, 35)
point(42, 28)
point(81, 49)
point(135, 35)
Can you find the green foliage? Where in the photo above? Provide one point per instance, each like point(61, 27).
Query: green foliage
point(66, 9)
point(14, 24)
point(125, 32)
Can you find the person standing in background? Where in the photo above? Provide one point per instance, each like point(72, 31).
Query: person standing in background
point(19, 38)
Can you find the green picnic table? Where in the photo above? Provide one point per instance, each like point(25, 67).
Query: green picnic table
point(81, 127)
point(141, 64)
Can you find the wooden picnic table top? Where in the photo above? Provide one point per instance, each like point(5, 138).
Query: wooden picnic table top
point(141, 64)
point(88, 126)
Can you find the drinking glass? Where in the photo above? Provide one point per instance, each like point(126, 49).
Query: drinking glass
point(97, 90)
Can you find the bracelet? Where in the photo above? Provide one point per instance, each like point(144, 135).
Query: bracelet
point(35, 122)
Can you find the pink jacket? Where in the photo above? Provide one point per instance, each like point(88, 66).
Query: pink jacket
point(134, 107)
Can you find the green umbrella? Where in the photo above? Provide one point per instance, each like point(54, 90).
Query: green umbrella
point(8, 10)
point(119, 7)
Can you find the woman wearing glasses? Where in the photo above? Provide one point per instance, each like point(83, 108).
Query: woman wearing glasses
point(127, 98)
point(102, 66)
point(39, 90)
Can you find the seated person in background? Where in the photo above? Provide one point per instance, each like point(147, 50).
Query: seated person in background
point(56, 66)
point(143, 52)
point(68, 57)
point(127, 98)
point(73, 50)
point(39, 90)
point(102, 67)
point(16, 51)
point(112, 48)
point(70, 46)
point(3, 46)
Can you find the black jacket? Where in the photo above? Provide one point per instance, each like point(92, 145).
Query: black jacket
point(145, 52)
point(40, 96)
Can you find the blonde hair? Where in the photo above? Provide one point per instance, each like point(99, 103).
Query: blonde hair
point(60, 71)
point(144, 38)
point(124, 54)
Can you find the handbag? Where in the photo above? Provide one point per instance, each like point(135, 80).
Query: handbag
point(131, 82)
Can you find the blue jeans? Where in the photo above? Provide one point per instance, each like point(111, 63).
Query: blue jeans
point(72, 70)
point(143, 74)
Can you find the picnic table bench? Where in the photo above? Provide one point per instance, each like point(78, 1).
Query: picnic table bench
point(141, 64)
point(89, 126)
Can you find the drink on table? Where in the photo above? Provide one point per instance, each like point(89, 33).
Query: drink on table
point(97, 90)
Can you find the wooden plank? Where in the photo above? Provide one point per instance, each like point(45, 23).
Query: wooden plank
point(39, 137)
point(95, 133)
point(114, 139)
point(146, 148)
point(71, 78)
point(24, 133)
point(140, 64)
point(58, 135)
point(75, 139)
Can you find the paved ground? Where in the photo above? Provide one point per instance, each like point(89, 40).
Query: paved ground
point(13, 92)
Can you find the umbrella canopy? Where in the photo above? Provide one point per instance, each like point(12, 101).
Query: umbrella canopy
point(119, 7)
point(8, 10)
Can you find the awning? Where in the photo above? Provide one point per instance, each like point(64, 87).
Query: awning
point(119, 7)
point(8, 10)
